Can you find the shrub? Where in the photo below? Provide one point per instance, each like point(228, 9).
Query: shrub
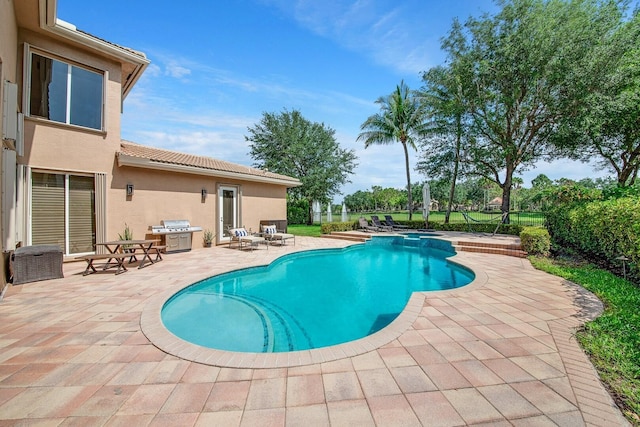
point(297, 211)
point(535, 240)
point(328, 227)
point(600, 230)
point(511, 229)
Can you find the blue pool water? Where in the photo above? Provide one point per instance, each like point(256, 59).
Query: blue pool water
point(312, 299)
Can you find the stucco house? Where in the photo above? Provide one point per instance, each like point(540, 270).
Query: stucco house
point(67, 176)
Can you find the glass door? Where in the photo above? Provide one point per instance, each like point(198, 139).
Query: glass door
point(63, 212)
point(227, 211)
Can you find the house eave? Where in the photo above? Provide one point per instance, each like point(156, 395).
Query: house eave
point(49, 22)
point(138, 162)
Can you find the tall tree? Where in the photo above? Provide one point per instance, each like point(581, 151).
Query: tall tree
point(449, 127)
point(401, 119)
point(608, 127)
point(523, 72)
point(289, 144)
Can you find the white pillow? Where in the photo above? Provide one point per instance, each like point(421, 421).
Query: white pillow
point(269, 229)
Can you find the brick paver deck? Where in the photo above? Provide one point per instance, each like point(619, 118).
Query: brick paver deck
point(497, 352)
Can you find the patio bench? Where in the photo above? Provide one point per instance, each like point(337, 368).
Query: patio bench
point(158, 250)
point(118, 257)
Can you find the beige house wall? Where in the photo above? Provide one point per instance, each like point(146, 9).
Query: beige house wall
point(160, 195)
point(260, 202)
point(70, 148)
point(8, 71)
point(56, 147)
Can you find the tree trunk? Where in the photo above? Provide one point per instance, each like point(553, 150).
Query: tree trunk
point(406, 163)
point(506, 194)
point(310, 213)
point(454, 178)
point(452, 190)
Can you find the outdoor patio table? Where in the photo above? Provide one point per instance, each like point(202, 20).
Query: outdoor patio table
point(144, 245)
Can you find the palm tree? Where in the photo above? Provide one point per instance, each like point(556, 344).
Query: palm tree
point(401, 119)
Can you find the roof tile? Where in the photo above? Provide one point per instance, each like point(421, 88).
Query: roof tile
point(173, 157)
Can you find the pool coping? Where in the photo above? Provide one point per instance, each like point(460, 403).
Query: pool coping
point(153, 328)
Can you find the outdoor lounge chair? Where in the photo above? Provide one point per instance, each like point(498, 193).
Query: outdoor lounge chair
point(271, 234)
point(242, 238)
point(382, 227)
point(391, 223)
point(364, 225)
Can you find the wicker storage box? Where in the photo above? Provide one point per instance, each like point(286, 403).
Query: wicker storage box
point(33, 263)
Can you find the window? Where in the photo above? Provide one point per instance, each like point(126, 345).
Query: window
point(63, 211)
point(65, 93)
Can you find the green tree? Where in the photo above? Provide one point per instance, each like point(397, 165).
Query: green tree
point(400, 119)
point(522, 73)
point(541, 182)
point(288, 144)
point(449, 127)
point(609, 124)
point(359, 201)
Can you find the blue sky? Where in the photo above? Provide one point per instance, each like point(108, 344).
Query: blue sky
point(217, 66)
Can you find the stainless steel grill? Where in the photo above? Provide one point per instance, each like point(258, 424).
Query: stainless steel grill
point(176, 234)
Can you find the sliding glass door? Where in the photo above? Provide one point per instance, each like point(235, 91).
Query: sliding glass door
point(63, 211)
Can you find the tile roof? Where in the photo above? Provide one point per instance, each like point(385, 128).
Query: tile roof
point(128, 49)
point(158, 155)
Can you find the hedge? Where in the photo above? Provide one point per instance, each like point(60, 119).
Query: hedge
point(512, 229)
point(601, 230)
point(535, 241)
point(328, 227)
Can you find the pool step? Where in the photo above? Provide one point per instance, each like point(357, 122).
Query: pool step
point(510, 249)
point(347, 235)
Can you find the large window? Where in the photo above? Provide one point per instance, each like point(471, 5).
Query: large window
point(65, 93)
point(63, 212)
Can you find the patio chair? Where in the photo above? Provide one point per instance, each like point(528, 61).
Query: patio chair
point(391, 223)
point(272, 234)
point(382, 227)
point(364, 225)
point(242, 238)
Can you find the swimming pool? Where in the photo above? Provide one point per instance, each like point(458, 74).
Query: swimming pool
point(312, 299)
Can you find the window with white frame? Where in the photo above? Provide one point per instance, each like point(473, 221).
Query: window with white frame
point(65, 93)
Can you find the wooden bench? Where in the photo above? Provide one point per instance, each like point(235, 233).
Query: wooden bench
point(119, 258)
point(158, 249)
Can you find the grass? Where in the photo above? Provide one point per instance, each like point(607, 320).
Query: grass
point(304, 230)
point(612, 341)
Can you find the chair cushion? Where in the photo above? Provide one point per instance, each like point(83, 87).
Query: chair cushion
point(269, 229)
point(240, 232)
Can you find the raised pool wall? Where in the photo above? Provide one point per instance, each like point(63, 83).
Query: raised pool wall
point(419, 242)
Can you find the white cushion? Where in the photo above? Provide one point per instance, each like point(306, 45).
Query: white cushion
point(240, 232)
point(269, 229)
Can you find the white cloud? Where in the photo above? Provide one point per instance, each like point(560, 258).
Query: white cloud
point(563, 168)
point(177, 71)
point(221, 144)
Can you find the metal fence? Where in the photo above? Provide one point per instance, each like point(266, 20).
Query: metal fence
point(515, 217)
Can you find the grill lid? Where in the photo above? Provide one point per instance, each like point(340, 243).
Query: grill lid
point(170, 226)
point(175, 223)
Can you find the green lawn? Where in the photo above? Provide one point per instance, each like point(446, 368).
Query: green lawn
point(612, 341)
point(304, 230)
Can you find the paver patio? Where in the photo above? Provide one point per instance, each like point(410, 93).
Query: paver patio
point(497, 352)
